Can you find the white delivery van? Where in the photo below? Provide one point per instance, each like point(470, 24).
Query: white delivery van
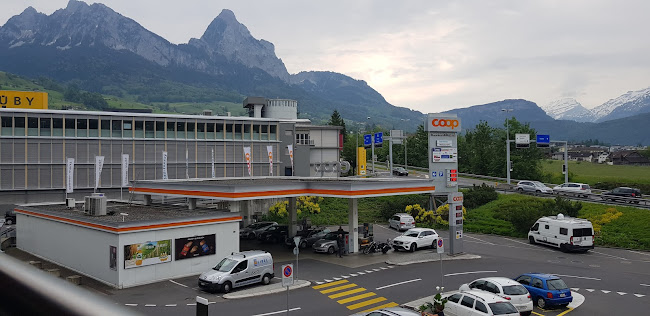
point(566, 233)
point(238, 269)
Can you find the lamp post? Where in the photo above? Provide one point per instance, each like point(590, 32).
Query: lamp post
point(507, 144)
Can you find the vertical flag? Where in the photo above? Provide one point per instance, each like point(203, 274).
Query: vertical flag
point(99, 164)
point(290, 148)
point(125, 170)
point(187, 164)
point(247, 156)
point(214, 174)
point(69, 176)
point(269, 149)
point(165, 175)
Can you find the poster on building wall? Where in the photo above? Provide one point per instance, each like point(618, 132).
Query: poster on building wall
point(69, 176)
point(99, 165)
point(214, 174)
point(192, 247)
point(125, 170)
point(247, 156)
point(290, 148)
point(148, 253)
point(112, 255)
point(269, 150)
point(165, 175)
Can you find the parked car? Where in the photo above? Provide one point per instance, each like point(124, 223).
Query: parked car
point(533, 186)
point(401, 221)
point(478, 303)
point(509, 289)
point(238, 269)
point(308, 237)
point(274, 234)
point(10, 217)
point(253, 230)
point(415, 238)
point(391, 311)
point(546, 289)
point(399, 171)
point(564, 232)
point(577, 189)
point(328, 243)
point(622, 192)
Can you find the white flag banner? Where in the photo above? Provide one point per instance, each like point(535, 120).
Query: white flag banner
point(125, 170)
point(99, 164)
point(69, 176)
point(164, 165)
point(290, 148)
point(187, 164)
point(214, 174)
point(247, 156)
point(269, 149)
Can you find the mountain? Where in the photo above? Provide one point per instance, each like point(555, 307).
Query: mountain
point(568, 109)
point(523, 110)
point(629, 104)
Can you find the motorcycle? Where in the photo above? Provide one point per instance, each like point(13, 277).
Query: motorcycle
point(374, 247)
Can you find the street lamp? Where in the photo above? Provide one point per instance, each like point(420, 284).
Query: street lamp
point(507, 143)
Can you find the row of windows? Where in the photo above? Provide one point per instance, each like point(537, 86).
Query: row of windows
point(70, 127)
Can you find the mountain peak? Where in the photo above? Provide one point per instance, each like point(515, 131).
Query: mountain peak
point(568, 109)
point(628, 104)
point(74, 5)
point(227, 15)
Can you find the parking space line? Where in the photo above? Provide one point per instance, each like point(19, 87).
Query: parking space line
point(346, 293)
point(640, 253)
point(565, 312)
point(129, 304)
point(356, 298)
point(538, 314)
point(317, 287)
point(183, 285)
point(338, 288)
point(469, 272)
point(366, 303)
point(644, 284)
point(391, 304)
point(170, 305)
point(399, 283)
point(150, 305)
point(578, 277)
point(612, 256)
point(278, 312)
point(483, 241)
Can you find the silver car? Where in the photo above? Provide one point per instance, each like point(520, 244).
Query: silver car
point(571, 188)
point(532, 186)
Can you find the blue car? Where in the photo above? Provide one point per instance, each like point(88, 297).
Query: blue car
point(546, 289)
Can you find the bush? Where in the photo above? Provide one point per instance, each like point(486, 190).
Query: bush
point(390, 205)
point(565, 206)
point(479, 195)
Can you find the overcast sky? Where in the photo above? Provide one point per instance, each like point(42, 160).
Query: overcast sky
point(431, 55)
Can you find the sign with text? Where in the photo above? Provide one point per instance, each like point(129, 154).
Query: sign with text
point(543, 140)
point(439, 154)
point(23, 99)
point(442, 123)
point(148, 253)
point(361, 161)
point(522, 140)
point(192, 247)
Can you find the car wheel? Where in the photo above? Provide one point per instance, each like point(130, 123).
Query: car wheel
point(520, 190)
point(538, 191)
point(9, 221)
point(414, 247)
point(531, 240)
point(251, 236)
point(303, 244)
point(226, 287)
point(330, 250)
point(266, 279)
point(541, 303)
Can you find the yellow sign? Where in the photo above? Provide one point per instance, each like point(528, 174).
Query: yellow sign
point(361, 161)
point(23, 99)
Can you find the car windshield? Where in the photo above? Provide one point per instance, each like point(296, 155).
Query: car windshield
point(556, 284)
point(255, 226)
point(503, 308)
point(411, 233)
point(538, 184)
point(225, 265)
point(514, 290)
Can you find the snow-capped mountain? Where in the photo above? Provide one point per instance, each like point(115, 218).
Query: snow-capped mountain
point(629, 104)
point(568, 109)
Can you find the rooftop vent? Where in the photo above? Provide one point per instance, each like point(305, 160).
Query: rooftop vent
point(207, 112)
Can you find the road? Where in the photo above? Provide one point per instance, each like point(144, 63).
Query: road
point(613, 281)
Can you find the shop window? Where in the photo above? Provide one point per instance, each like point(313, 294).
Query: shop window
point(93, 128)
point(82, 127)
point(139, 129)
point(106, 128)
point(7, 126)
point(32, 126)
point(46, 126)
point(19, 126)
point(57, 127)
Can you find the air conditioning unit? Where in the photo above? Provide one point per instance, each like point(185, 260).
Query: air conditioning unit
point(70, 202)
point(207, 112)
point(95, 205)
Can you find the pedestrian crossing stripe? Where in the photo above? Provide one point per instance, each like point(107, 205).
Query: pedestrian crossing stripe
point(366, 303)
point(391, 304)
point(356, 298)
point(338, 288)
point(345, 292)
point(322, 286)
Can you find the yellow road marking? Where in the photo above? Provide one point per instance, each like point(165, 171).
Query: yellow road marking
point(538, 314)
point(355, 298)
point(346, 293)
point(322, 286)
point(366, 303)
point(391, 304)
point(338, 288)
point(565, 312)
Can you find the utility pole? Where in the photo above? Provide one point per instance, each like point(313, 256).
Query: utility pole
point(508, 163)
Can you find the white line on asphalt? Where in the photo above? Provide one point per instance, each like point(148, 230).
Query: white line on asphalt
point(604, 254)
point(131, 304)
point(376, 270)
point(319, 283)
point(191, 304)
point(368, 271)
point(352, 274)
point(639, 295)
point(605, 291)
point(337, 279)
point(345, 276)
point(170, 305)
point(520, 242)
point(644, 284)
point(183, 285)
point(590, 290)
point(383, 268)
point(470, 272)
point(621, 293)
point(638, 252)
point(395, 284)
point(326, 280)
point(279, 312)
point(483, 241)
point(575, 289)
point(362, 273)
point(150, 305)
point(577, 277)
point(391, 266)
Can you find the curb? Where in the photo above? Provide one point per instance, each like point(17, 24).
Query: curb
point(298, 284)
point(578, 299)
point(461, 257)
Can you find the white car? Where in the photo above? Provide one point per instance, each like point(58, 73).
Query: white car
point(415, 238)
point(478, 303)
point(572, 188)
point(506, 288)
point(533, 186)
point(401, 221)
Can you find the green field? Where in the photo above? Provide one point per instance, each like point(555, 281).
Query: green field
point(592, 173)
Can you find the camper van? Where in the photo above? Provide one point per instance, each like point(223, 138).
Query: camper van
point(238, 269)
point(566, 233)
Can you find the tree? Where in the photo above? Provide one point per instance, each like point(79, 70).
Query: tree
point(336, 120)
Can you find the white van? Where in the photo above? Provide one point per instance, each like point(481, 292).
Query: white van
point(566, 233)
point(238, 269)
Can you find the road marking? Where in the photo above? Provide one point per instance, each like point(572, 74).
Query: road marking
point(639, 295)
point(565, 312)
point(376, 270)
point(170, 305)
point(361, 273)
point(538, 314)
point(621, 293)
point(644, 284)
point(368, 271)
point(395, 284)
point(366, 303)
point(131, 304)
point(470, 272)
point(326, 280)
point(383, 268)
point(605, 291)
point(520, 242)
point(183, 285)
point(391, 304)
point(483, 241)
point(345, 276)
point(346, 293)
point(338, 288)
point(337, 279)
point(352, 274)
point(317, 287)
point(150, 305)
point(641, 253)
point(279, 312)
point(391, 266)
point(578, 277)
point(575, 289)
point(590, 290)
point(191, 304)
point(319, 282)
point(356, 298)
point(604, 254)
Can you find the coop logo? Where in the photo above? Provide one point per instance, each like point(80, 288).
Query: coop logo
point(445, 123)
point(457, 198)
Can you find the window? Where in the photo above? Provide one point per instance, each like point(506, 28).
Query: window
point(171, 132)
point(480, 307)
point(240, 267)
point(150, 129)
point(160, 129)
point(106, 128)
point(200, 130)
point(537, 283)
point(546, 227)
point(139, 129)
point(238, 131)
point(256, 132)
point(455, 298)
point(514, 290)
point(93, 128)
point(191, 127)
point(7, 125)
point(502, 308)
point(57, 127)
point(32, 126)
point(480, 284)
point(46, 125)
point(524, 279)
point(467, 301)
point(556, 284)
point(219, 129)
point(247, 131)
point(535, 227)
point(563, 231)
point(265, 132)
point(229, 130)
point(582, 232)
point(490, 287)
point(273, 132)
point(19, 126)
point(128, 128)
point(117, 128)
point(82, 127)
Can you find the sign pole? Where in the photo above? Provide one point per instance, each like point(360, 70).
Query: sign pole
point(440, 249)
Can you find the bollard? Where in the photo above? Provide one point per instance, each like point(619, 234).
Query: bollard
point(201, 306)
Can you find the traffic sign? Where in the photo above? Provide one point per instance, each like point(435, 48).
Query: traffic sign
point(287, 275)
point(296, 240)
point(367, 140)
point(379, 138)
point(296, 250)
point(522, 140)
point(543, 140)
point(441, 247)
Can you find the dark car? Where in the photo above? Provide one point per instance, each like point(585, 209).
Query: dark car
point(399, 171)
point(274, 234)
point(308, 237)
point(10, 217)
point(622, 192)
point(546, 289)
